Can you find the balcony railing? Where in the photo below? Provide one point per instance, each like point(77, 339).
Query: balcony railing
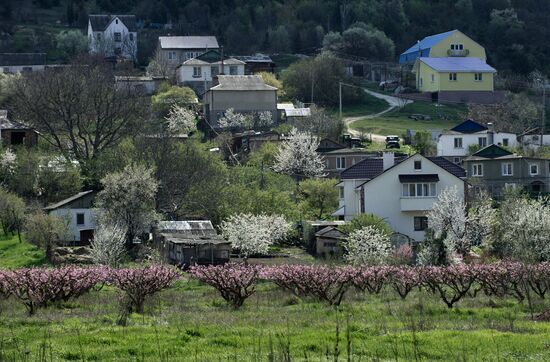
point(458, 53)
point(417, 203)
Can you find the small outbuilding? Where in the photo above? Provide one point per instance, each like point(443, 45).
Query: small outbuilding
point(328, 241)
point(14, 133)
point(187, 243)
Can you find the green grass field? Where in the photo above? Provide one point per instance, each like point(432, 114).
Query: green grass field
point(367, 105)
point(14, 254)
point(190, 322)
point(397, 121)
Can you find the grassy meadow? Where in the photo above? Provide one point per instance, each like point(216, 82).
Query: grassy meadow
point(190, 322)
point(397, 121)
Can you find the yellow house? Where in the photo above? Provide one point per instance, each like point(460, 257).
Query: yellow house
point(453, 74)
point(452, 43)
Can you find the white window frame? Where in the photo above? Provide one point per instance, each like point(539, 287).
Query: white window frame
point(478, 77)
point(507, 169)
point(453, 77)
point(118, 36)
point(172, 55)
point(482, 142)
point(233, 70)
point(340, 163)
point(341, 193)
point(197, 72)
point(419, 190)
point(505, 142)
point(477, 170)
point(531, 170)
point(461, 144)
point(417, 162)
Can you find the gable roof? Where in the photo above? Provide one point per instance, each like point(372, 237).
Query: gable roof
point(5, 123)
point(469, 126)
point(458, 64)
point(68, 200)
point(22, 59)
point(100, 22)
point(242, 83)
point(370, 168)
point(428, 42)
point(327, 145)
point(492, 151)
point(212, 57)
point(188, 42)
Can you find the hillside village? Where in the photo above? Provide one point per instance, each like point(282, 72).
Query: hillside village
point(327, 175)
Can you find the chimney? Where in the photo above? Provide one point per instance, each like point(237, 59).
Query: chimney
point(388, 160)
point(490, 133)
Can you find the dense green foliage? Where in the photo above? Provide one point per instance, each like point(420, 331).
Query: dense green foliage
point(514, 32)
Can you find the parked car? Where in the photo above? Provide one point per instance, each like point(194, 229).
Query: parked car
point(351, 142)
point(419, 117)
point(392, 141)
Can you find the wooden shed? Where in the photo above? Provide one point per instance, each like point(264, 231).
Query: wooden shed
point(187, 243)
point(328, 241)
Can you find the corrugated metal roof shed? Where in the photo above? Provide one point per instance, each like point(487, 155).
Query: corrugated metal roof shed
point(188, 42)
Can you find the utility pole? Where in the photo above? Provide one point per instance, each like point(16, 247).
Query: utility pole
point(543, 120)
point(312, 83)
point(340, 94)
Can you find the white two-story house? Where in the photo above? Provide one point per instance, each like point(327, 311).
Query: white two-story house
point(401, 190)
point(113, 36)
point(454, 144)
point(79, 214)
point(197, 73)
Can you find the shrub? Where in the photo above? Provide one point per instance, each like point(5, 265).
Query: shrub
point(372, 279)
point(140, 283)
point(404, 279)
point(39, 287)
point(451, 282)
point(235, 282)
point(328, 284)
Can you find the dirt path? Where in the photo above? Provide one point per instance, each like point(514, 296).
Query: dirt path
point(393, 102)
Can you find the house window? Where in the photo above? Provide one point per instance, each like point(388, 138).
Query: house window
point(482, 142)
point(6, 70)
point(457, 46)
point(131, 37)
point(433, 78)
point(477, 169)
point(419, 190)
point(171, 55)
point(533, 169)
point(233, 70)
point(505, 142)
point(118, 50)
point(27, 69)
point(458, 142)
point(421, 82)
point(214, 70)
point(418, 165)
point(341, 192)
point(452, 77)
point(116, 21)
point(118, 37)
point(340, 163)
point(478, 77)
point(80, 218)
point(197, 72)
point(420, 223)
point(98, 36)
point(507, 169)
point(456, 160)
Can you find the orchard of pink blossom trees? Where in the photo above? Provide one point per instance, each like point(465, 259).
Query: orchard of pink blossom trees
point(43, 287)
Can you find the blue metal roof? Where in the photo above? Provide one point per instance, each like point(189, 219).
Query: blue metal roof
point(424, 45)
point(469, 126)
point(458, 64)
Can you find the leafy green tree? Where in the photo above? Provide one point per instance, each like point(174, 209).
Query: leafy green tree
point(363, 220)
point(45, 231)
point(320, 197)
point(423, 144)
point(59, 181)
point(71, 43)
point(12, 213)
point(169, 96)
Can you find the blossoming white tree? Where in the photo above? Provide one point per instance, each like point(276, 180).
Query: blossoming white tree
point(108, 244)
point(298, 157)
point(458, 228)
point(253, 234)
point(181, 120)
point(367, 246)
point(232, 119)
point(264, 119)
point(526, 228)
